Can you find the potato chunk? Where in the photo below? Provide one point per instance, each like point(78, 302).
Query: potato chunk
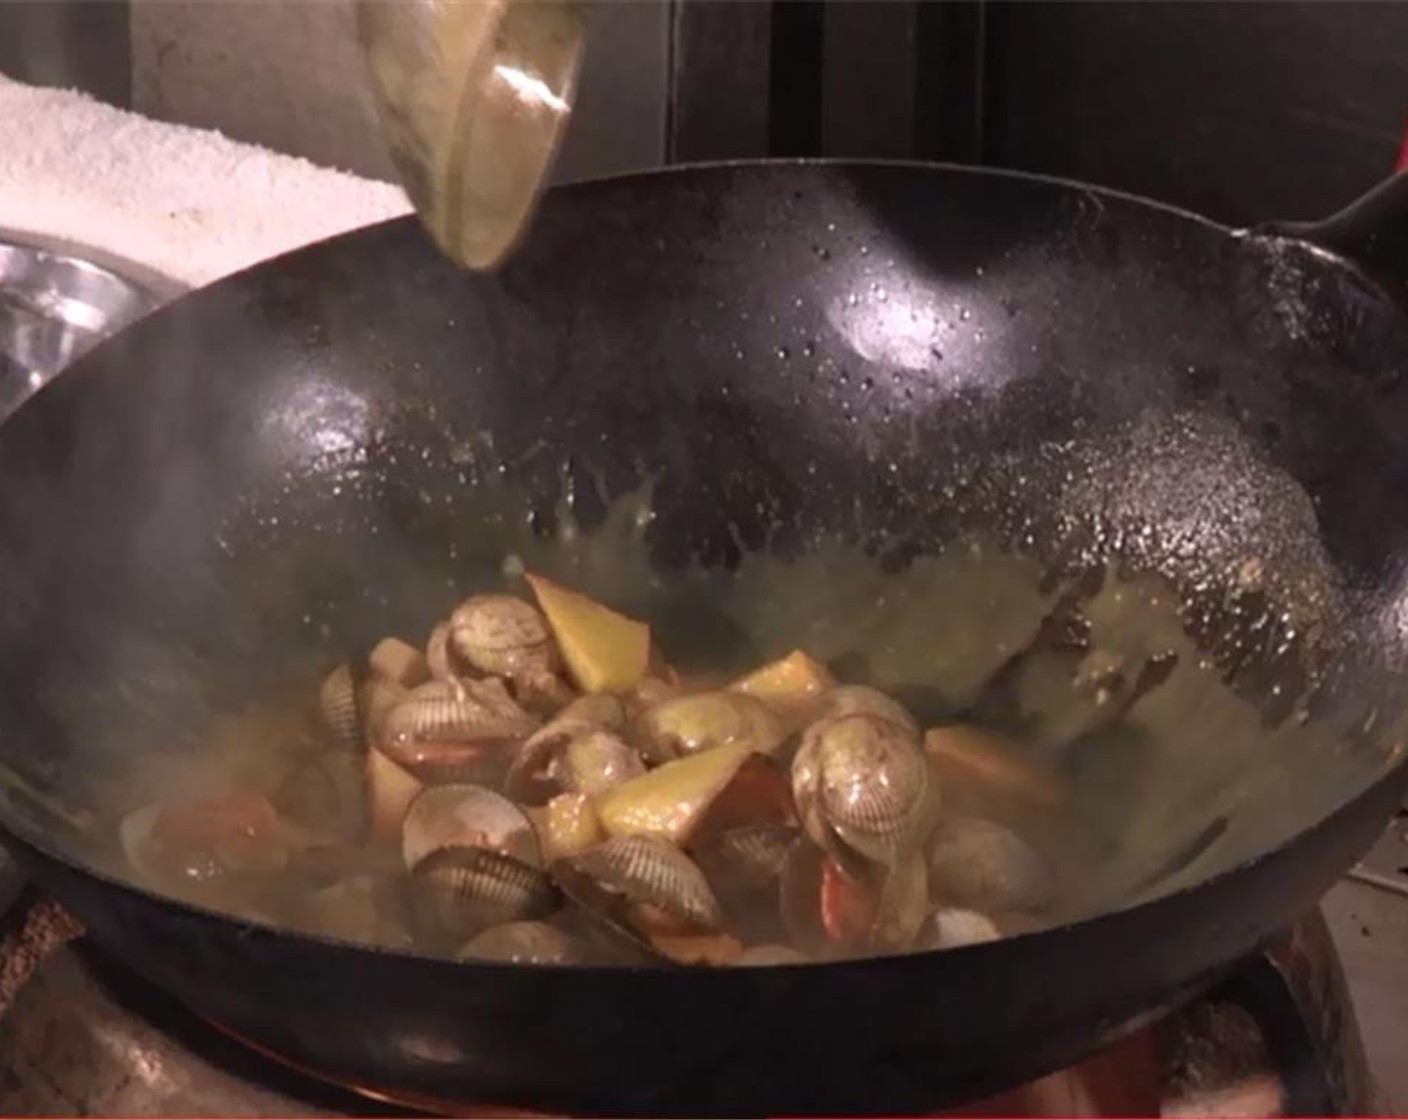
point(790, 683)
point(604, 651)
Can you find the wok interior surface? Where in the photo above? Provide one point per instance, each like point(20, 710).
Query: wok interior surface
point(915, 420)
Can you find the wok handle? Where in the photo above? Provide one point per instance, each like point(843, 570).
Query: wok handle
point(1370, 233)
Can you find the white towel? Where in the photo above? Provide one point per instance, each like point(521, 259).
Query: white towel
point(186, 202)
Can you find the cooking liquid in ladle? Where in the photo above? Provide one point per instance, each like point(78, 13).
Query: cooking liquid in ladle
point(1104, 695)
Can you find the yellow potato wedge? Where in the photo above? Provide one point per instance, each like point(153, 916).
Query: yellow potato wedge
point(567, 825)
point(789, 682)
point(670, 800)
point(604, 651)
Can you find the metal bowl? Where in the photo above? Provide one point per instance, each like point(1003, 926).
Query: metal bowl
point(58, 301)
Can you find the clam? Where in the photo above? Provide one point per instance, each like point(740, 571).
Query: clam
point(689, 724)
point(570, 756)
point(857, 699)
point(461, 891)
point(951, 927)
point(980, 864)
point(600, 919)
point(502, 636)
point(524, 943)
point(337, 706)
point(454, 730)
point(467, 816)
point(749, 857)
point(862, 787)
point(744, 866)
point(661, 888)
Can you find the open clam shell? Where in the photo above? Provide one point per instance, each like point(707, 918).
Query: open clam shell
point(858, 699)
point(749, 857)
point(570, 756)
point(460, 892)
point(503, 636)
point(454, 730)
point(701, 721)
point(338, 709)
point(467, 816)
point(662, 886)
point(864, 780)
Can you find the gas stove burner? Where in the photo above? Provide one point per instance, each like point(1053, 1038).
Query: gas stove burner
point(80, 1035)
point(58, 301)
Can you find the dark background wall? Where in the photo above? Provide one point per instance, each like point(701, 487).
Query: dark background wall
point(1243, 110)
point(1240, 110)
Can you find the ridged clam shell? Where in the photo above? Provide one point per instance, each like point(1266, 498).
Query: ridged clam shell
point(502, 635)
point(980, 864)
point(455, 711)
point(684, 725)
point(864, 779)
point(524, 943)
point(463, 891)
point(337, 706)
point(748, 857)
point(461, 816)
point(646, 870)
point(855, 699)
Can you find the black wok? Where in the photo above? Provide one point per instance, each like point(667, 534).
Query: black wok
point(339, 443)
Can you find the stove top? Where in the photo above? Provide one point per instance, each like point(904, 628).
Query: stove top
point(79, 1035)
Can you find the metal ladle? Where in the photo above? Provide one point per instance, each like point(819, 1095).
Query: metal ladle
point(473, 97)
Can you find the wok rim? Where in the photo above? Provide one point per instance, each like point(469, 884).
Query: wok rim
point(1395, 769)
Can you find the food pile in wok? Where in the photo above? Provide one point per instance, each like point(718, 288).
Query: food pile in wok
point(536, 784)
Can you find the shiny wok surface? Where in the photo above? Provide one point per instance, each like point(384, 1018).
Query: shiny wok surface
point(334, 445)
